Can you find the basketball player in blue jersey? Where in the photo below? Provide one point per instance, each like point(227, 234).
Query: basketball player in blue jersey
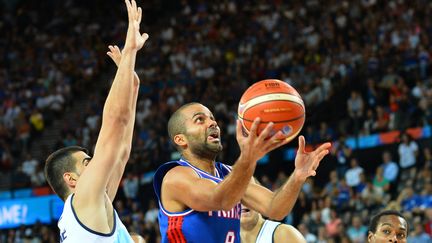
point(87, 184)
point(200, 198)
point(255, 229)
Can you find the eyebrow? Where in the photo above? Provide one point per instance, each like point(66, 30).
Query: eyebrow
point(388, 224)
point(198, 114)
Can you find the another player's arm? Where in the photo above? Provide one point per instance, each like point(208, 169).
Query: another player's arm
point(117, 117)
point(287, 233)
point(117, 173)
point(181, 186)
point(278, 204)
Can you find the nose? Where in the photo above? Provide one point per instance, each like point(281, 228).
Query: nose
point(213, 123)
point(393, 239)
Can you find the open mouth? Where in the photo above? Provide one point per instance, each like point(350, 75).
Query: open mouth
point(245, 210)
point(214, 137)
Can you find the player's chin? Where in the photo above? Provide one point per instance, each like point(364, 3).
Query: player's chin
point(215, 146)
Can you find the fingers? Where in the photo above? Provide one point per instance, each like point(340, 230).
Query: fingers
point(266, 132)
point(134, 13)
point(129, 10)
point(254, 127)
point(301, 144)
point(275, 141)
point(239, 130)
point(145, 36)
point(139, 15)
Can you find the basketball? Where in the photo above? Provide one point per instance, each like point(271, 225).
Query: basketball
point(273, 101)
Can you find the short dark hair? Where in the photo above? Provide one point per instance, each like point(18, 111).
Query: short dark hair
point(57, 164)
point(176, 122)
point(375, 219)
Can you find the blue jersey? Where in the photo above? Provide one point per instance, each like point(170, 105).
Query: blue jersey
point(193, 226)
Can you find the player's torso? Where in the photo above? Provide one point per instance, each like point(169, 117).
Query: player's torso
point(73, 230)
point(192, 226)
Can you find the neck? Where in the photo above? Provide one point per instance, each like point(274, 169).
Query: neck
point(249, 232)
point(205, 164)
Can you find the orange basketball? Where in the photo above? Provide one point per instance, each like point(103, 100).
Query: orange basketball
point(273, 101)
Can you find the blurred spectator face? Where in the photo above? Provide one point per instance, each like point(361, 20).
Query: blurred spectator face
point(391, 228)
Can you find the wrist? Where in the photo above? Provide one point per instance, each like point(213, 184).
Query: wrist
point(246, 161)
point(297, 177)
point(129, 50)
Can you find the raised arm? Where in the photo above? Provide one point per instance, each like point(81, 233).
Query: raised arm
point(116, 121)
point(205, 195)
point(277, 205)
point(117, 174)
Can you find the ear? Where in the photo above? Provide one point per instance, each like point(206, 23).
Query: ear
point(180, 140)
point(370, 236)
point(70, 179)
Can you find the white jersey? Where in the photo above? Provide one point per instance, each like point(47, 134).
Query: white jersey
point(266, 234)
point(72, 230)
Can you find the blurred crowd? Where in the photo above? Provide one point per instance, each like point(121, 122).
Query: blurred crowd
point(362, 67)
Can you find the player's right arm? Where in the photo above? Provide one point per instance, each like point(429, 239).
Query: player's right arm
point(110, 148)
point(181, 186)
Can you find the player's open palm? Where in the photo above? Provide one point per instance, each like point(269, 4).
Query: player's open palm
point(254, 146)
point(134, 39)
point(306, 163)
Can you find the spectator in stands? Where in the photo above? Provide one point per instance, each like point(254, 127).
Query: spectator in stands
point(333, 226)
point(352, 175)
point(380, 181)
point(391, 169)
point(418, 235)
point(408, 151)
point(309, 237)
point(130, 186)
point(357, 232)
point(428, 221)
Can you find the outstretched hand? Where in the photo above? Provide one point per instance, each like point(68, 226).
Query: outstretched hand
point(306, 163)
point(134, 39)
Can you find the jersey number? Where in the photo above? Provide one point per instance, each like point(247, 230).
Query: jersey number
point(230, 237)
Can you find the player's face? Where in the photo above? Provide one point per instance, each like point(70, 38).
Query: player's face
point(82, 160)
point(248, 217)
point(391, 228)
point(202, 131)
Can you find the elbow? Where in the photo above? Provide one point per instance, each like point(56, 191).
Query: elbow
point(278, 216)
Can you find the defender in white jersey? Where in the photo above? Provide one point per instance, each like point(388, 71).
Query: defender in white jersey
point(87, 184)
point(254, 229)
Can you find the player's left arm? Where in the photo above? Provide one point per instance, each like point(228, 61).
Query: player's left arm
point(115, 178)
point(278, 204)
point(287, 233)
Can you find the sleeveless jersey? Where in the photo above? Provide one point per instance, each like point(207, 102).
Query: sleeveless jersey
point(72, 230)
point(193, 226)
point(266, 234)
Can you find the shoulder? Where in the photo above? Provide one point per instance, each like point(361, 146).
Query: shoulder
point(287, 233)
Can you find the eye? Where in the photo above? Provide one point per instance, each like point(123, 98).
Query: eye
point(386, 231)
point(401, 236)
point(199, 119)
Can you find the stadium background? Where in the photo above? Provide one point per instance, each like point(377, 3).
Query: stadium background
point(362, 68)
